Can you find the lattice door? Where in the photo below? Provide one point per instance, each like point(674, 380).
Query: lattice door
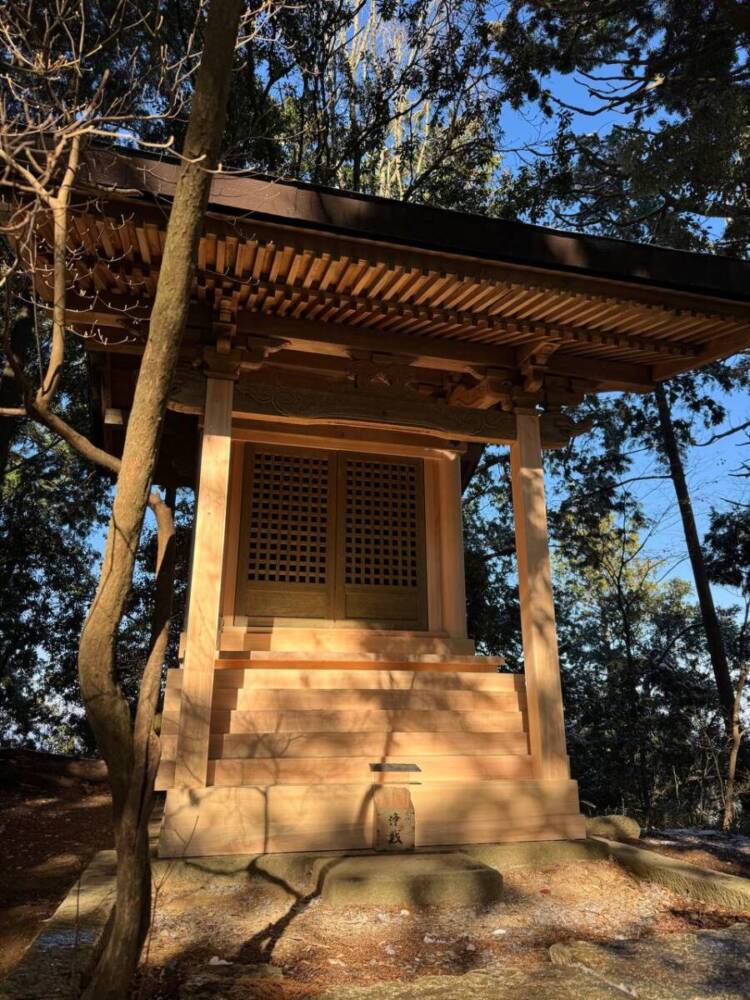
point(380, 572)
point(286, 565)
point(335, 536)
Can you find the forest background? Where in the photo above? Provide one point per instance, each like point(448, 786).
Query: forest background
point(631, 121)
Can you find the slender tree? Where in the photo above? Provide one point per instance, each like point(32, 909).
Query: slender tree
point(46, 169)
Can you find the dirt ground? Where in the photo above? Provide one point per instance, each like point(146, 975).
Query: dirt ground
point(50, 827)
point(205, 921)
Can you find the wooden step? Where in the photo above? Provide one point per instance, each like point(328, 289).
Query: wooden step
point(332, 770)
point(382, 679)
point(374, 746)
point(366, 698)
point(373, 721)
point(361, 661)
point(312, 641)
point(297, 699)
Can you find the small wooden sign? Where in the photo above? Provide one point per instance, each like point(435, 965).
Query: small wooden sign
point(395, 826)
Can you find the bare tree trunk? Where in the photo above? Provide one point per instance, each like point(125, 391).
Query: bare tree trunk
point(734, 748)
point(131, 749)
point(711, 625)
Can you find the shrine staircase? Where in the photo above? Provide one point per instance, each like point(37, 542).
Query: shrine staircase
point(299, 743)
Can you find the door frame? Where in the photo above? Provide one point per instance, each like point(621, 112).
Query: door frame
point(444, 571)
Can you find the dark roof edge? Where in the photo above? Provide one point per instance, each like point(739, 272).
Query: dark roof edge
point(425, 227)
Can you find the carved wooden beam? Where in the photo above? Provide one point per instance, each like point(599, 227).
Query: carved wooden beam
point(256, 398)
point(485, 393)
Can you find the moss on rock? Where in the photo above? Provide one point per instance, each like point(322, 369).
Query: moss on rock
point(613, 827)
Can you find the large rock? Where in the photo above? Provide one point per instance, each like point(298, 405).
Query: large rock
point(699, 966)
point(232, 982)
point(613, 827)
point(411, 880)
point(704, 884)
point(496, 982)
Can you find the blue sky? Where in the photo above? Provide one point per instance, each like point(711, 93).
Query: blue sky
point(711, 471)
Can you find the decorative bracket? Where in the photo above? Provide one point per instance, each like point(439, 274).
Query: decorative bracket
point(222, 363)
point(484, 394)
point(532, 359)
point(260, 349)
point(224, 328)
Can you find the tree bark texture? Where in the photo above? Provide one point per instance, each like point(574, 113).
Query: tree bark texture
point(711, 625)
point(129, 748)
point(734, 748)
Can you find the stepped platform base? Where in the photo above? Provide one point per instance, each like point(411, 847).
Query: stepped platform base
point(412, 880)
point(270, 819)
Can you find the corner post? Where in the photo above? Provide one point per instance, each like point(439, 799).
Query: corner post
point(191, 770)
point(541, 663)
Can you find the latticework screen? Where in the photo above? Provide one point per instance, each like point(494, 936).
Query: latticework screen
point(288, 524)
point(382, 536)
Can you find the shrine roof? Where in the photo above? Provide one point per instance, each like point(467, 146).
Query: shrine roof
point(331, 272)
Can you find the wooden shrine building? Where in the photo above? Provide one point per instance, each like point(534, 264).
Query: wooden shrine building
point(346, 357)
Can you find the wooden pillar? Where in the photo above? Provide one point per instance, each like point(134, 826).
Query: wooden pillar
point(433, 545)
point(452, 547)
point(205, 586)
point(541, 664)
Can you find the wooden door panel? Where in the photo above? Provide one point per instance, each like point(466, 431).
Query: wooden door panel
point(286, 566)
point(380, 566)
point(336, 537)
point(384, 605)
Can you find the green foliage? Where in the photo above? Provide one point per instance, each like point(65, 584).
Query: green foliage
point(639, 702)
point(51, 504)
point(671, 80)
point(489, 552)
point(134, 635)
point(728, 548)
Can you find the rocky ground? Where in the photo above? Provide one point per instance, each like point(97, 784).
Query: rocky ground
point(223, 932)
point(583, 929)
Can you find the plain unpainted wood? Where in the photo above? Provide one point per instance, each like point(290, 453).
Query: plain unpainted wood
point(452, 548)
point(376, 746)
point(334, 770)
point(430, 663)
point(317, 641)
point(232, 546)
point(372, 721)
point(288, 534)
point(278, 818)
point(331, 535)
point(434, 562)
point(394, 819)
point(358, 439)
point(435, 700)
point(540, 654)
point(339, 699)
point(380, 544)
point(372, 675)
point(205, 588)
